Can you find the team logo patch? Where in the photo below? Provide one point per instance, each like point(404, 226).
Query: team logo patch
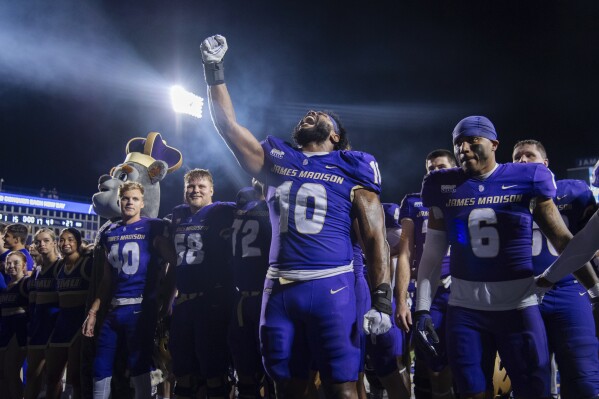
point(277, 153)
point(448, 188)
point(481, 188)
point(305, 162)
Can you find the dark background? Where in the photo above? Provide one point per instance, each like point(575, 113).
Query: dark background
point(78, 79)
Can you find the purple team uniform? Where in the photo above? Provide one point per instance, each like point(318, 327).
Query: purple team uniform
point(44, 312)
point(251, 245)
point(14, 303)
point(491, 305)
point(413, 209)
point(72, 287)
point(131, 320)
point(384, 349)
point(198, 342)
point(566, 309)
point(309, 304)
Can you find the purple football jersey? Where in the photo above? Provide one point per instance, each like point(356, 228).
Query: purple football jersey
point(488, 222)
point(251, 242)
point(203, 246)
point(135, 262)
point(412, 208)
point(572, 199)
point(310, 201)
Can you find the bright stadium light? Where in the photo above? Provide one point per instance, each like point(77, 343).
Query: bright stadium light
point(185, 102)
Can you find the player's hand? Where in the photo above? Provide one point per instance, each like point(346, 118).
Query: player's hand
point(446, 282)
point(403, 315)
point(376, 322)
point(89, 325)
point(424, 333)
point(213, 49)
point(540, 287)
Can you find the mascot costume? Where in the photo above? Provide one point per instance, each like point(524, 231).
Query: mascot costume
point(148, 161)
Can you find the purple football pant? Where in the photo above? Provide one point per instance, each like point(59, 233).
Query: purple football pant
point(519, 336)
point(571, 334)
point(310, 321)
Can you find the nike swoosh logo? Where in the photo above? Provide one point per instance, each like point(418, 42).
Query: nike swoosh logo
point(562, 197)
point(581, 293)
point(138, 228)
point(330, 167)
point(137, 312)
point(504, 187)
point(333, 292)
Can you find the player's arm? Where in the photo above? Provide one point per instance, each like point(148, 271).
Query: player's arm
point(580, 250)
point(240, 140)
point(403, 315)
point(368, 211)
point(103, 296)
point(371, 224)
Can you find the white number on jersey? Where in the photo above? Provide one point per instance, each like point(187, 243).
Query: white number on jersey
point(250, 234)
point(377, 172)
point(484, 238)
point(303, 223)
point(189, 249)
point(538, 237)
point(128, 260)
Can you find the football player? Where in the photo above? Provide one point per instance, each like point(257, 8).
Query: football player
point(250, 247)
point(314, 191)
point(567, 314)
point(203, 277)
point(483, 210)
point(414, 221)
point(134, 249)
point(582, 248)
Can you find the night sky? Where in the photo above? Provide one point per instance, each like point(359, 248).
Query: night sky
point(78, 79)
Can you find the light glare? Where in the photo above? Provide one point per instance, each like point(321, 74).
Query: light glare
point(185, 102)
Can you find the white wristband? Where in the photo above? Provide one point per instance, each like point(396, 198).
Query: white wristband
point(594, 291)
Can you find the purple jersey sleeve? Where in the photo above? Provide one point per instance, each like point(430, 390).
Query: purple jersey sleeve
point(544, 182)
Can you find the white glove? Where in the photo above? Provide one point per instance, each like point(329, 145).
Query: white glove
point(213, 49)
point(446, 282)
point(376, 322)
point(538, 290)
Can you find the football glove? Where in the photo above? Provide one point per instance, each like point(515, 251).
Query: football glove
point(376, 322)
point(424, 332)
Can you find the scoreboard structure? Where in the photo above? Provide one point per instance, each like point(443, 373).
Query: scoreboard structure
point(56, 214)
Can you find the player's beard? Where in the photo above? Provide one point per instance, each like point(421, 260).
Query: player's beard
point(315, 134)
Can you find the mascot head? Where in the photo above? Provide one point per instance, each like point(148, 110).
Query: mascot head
point(147, 162)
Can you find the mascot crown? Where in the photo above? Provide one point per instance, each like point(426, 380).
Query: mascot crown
point(145, 151)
